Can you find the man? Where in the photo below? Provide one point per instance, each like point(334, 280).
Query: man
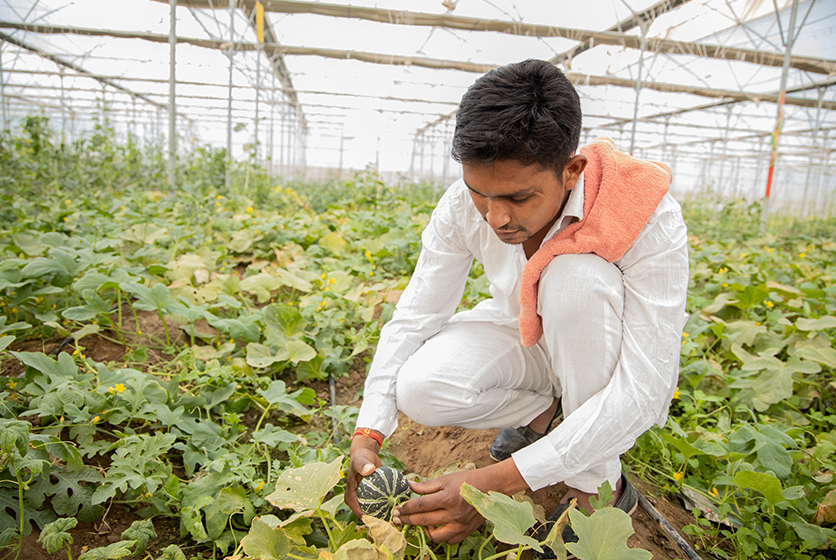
point(587, 260)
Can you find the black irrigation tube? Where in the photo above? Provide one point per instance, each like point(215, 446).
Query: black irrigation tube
point(668, 528)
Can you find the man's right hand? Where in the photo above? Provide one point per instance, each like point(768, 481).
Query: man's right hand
point(363, 461)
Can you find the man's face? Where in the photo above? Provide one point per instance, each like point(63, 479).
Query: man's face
point(520, 202)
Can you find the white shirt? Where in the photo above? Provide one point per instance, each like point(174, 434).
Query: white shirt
point(657, 263)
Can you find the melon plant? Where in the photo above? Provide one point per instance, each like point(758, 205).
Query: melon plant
point(381, 491)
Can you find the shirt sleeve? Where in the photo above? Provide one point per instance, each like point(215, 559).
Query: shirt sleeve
point(655, 276)
point(428, 302)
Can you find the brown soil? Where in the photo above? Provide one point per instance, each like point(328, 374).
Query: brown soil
point(438, 448)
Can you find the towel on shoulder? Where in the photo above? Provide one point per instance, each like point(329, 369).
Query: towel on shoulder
point(620, 195)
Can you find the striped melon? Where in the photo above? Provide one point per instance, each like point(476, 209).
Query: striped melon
point(381, 491)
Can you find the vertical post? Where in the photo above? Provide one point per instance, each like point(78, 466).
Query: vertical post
point(257, 90)
point(779, 119)
point(172, 107)
point(272, 119)
point(230, 52)
point(342, 141)
point(638, 88)
point(812, 153)
point(3, 124)
point(63, 113)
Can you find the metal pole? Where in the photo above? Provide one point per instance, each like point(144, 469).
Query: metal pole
point(257, 85)
point(340, 172)
point(229, 96)
point(271, 130)
point(638, 89)
point(63, 113)
point(2, 89)
point(812, 154)
point(172, 107)
point(779, 119)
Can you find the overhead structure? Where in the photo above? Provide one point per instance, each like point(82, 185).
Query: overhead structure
point(354, 85)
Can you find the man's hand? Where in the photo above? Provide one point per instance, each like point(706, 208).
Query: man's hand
point(364, 459)
point(442, 510)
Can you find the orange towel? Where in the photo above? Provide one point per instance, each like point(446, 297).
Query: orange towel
point(620, 194)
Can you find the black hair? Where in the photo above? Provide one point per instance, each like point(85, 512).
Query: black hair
point(526, 111)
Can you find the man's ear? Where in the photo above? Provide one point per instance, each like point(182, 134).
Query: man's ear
point(573, 169)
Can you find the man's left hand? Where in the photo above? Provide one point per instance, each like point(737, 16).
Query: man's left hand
point(441, 508)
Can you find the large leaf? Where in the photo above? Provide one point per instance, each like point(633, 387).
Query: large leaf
point(304, 488)
point(826, 510)
point(141, 531)
point(261, 356)
point(10, 512)
point(276, 393)
point(300, 351)
point(266, 542)
point(149, 299)
point(333, 242)
point(510, 518)
point(827, 322)
point(261, 285)
point(385, 535)
point(823, 356)
point(14, 434)
point(55, 535)
point(114, 551)
point(72, 492)
point(764, 483)
point(282, 321)
point(603, 536)
point(5, 341)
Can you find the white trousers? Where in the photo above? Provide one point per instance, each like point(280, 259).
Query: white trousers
point(478, 375)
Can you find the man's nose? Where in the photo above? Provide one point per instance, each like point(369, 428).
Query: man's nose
point(498, 214)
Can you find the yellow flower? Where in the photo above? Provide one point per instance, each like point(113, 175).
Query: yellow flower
point(249, 209)
point(678, 476)
point(685, 334)
point(757, 323)
point(713, 492)
point(217, 203)
point(802, 255)
point(676, 393)
point(11, 384)
point(332, 280)
point(742, 255)
point(769, 304)
point(324, 276)
point(122, 207)
point(723, 270)
point(68, 202)
point(725, 285)
point(368, 254)
point(119, 388)
point(260, 486)
point(219, 197)
point(771, 250)
point(328, 289)
point(96, 419)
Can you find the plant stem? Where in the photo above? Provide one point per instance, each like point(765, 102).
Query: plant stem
point(331, 543)
point(165, 327)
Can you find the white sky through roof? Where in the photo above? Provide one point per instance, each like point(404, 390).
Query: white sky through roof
point(374, 110)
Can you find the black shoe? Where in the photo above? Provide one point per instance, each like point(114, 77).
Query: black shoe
point(511, 440)
point(627, 502)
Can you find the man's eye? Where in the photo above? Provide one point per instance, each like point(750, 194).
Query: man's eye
point(520, 199)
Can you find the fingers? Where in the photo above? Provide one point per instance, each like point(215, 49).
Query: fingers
point(362, 462)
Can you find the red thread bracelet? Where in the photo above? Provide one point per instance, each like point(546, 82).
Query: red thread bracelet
point(369, 433)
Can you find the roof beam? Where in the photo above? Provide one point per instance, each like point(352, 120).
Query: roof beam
point(74, 67)
point(398, 60)
point(278, 65)
point(654, 44)
point(633, 21)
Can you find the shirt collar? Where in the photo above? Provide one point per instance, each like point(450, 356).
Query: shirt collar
point(572, 211)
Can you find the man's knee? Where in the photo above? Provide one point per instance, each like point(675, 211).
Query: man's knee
point(570, 284)
point(415, 389)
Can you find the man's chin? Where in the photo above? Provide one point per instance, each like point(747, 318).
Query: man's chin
point(512, 237)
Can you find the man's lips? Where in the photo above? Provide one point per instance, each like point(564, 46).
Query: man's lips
point(506, 233)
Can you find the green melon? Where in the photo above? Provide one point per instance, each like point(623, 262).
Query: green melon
point(381, 491)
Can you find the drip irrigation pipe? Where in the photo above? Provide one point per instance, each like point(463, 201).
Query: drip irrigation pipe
point(668, 528)
point(332, 388)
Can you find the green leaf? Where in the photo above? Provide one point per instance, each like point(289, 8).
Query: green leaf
point(5, 341)
point(261, 356)
point(764, 483)
point(261, 285)
point(148, 299)
point(333, 242)
point(55, 535)
point(172, 552)
point(72, 492)
point(282, 321)
point(304, 488)
point(10, 513)
point(265, 542)
point(823, 356)
point(826, 322)
point(810, 533)
point(603, 536)
point(234, 500)
point(271, 436)
point(510, 518)
point(300, 351)
point(114, 551)
point(14, 434)
point(144, 234)
point(276, 393)
point(140, 531)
